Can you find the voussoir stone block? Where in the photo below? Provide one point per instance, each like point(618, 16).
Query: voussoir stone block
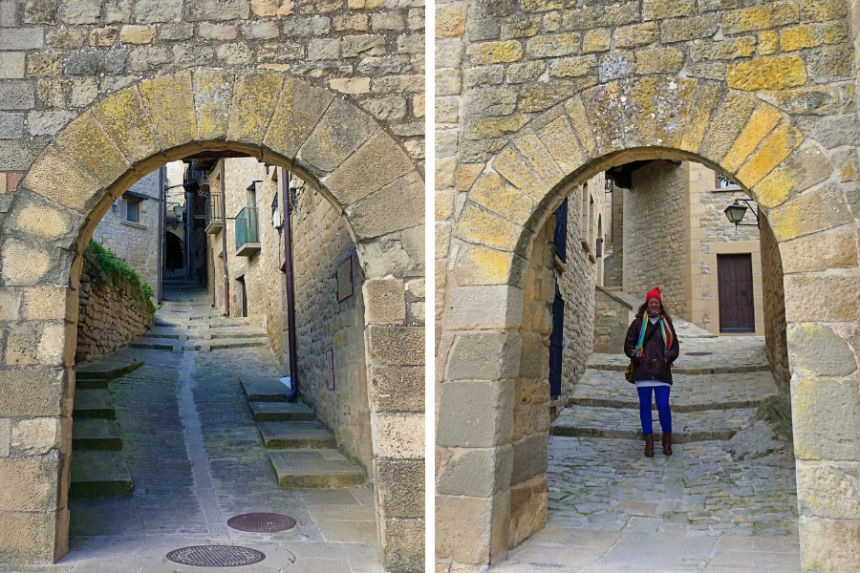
point(374, 165)
point(485, 307)
point(123, 116)
point(213, 94)
point(86, 142)
point(481, 227)
point(560, 140)
point(478, 472)
point(296, 115)
point(384, 301)
point(776, 147)
point(36, 484)
point(397, 206)
point(488, 355)
point(519, 171)
point(809, 212)
point(477, 266)
point(763, 120)
point(254, 100)
point(832, 249)
point(803, 168)
point(494, 193)
point(55, 177)
point(705, 102)
point(726, 123)
point(342, 129)
point(169, 100)
point(475, 414)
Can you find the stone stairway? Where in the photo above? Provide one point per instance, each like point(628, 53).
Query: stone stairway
point(302, 451)
point(98, 464)
point(719, 382)
point(186, 321)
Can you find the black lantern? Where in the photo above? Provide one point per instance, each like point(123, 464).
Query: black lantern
point(736, 211)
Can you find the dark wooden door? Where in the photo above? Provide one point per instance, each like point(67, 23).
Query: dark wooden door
point(243, 293)
point(556, 344)
point(734, 274)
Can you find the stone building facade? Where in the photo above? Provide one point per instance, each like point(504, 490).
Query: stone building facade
point(93, 94)
point(131, 229)
point(534, 98)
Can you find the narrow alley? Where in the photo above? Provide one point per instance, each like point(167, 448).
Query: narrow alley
point(725, 501)
point(195, 459)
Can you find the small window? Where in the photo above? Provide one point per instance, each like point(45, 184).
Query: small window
point(132, 210)
point(723, 182)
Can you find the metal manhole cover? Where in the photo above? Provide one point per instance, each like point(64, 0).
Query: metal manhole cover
point(261, 522)
point(216, 556)
point(699, 353)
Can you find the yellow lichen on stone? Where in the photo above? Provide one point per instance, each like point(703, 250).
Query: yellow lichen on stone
point(704, 103)
point(762, 121)
point(493, 193)
point(774, 189)
point(812, 35)
point(768, 43)
point(170, 102)
point(483, 228)
point(776, 72)
point(541, 160)
point(772, 152)
point(495, 52)
point(213, 93)
point(520, 173)
point(86, 142)
point(579, 118)
point(485, 128)
point(561, 142)
point(451, 20)
point(596, 40)
point(488, 266)
point(254, 99)
point(123, 116)
point(466, 175)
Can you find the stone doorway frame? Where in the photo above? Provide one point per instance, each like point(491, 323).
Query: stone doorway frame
point(486, 475)
point(277, 118)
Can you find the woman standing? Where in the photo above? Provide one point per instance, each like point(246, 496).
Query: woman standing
point(652, 346)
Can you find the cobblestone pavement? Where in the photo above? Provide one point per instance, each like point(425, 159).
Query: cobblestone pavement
point(196, 460)
point(613, 510)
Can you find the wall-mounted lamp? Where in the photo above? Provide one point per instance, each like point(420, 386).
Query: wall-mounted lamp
point(736, 211)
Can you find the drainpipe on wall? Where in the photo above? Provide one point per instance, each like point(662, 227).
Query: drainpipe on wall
point(291, 294)
point(224, 239)
point(162, 205)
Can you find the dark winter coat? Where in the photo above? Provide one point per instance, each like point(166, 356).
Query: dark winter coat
point(656, 360)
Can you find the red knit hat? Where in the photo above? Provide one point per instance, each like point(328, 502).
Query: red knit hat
point(653, 293)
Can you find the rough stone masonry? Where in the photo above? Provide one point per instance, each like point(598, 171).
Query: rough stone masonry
point(95, 94)
point(533, 97)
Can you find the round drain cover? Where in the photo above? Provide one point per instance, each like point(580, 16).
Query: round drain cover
point(261, 522)
point(216, 556)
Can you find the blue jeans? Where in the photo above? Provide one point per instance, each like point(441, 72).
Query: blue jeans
point(663, 411)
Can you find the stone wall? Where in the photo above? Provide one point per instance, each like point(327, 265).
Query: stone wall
point(112, 313)
point(612, 317)
point(135, 243)
point(774, 308)
point(657, 234)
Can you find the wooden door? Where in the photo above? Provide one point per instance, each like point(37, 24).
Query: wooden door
point(734, 275)
point(556, 345)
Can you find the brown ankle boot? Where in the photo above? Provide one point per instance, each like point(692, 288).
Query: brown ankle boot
point(649, 445)
point(667, 444)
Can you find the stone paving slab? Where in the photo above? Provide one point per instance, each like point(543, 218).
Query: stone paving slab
point(281, 411)
point(296, 435)
point(316, 468)
point(624, 423)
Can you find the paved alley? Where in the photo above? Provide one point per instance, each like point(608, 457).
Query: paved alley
point(196, 459)
point(725, 501)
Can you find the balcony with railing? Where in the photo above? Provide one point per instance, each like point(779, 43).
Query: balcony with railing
point(247, 233)
point(214, 222)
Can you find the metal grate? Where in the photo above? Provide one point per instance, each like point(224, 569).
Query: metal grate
point(216, 556)
point(262, 522)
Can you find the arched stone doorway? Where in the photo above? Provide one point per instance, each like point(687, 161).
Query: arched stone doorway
point(479, 399)
point(174, 251)
point(361, 169)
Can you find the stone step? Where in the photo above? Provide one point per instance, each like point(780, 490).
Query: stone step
point(281, 411)
point(222, 343)
point(235, 332)
point(263, 389)
point(153, 343)
point(320, 468)
point(99, 374)
point(95, 434)
point(289, 435)
point(690, 392)
point(98, 473)
point(620, 365)
point(94, 403)
point(624, 423)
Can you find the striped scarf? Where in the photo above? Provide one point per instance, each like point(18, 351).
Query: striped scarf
point(665, 332)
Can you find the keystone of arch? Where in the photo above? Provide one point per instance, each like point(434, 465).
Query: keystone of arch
point(265, 114)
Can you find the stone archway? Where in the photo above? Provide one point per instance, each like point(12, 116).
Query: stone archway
point(361, 169)
point(733, 132)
